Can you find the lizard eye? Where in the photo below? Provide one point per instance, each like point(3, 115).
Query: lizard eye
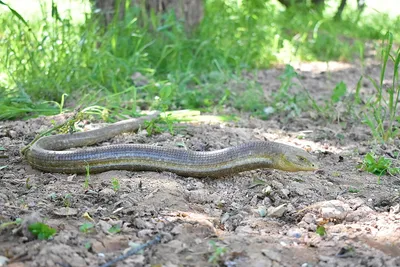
point(301, 158)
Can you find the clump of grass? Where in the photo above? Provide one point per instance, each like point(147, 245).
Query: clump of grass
point(379, 165)
point(115, 184)
point(87, 228)
point(94, 65)
point(41, 231)
point(382, 116)
point(217, 253)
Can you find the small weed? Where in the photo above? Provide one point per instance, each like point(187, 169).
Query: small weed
point(17, 221)
point(353, 190)
point(378, 165)
point(87, 177)
point(41, 231)
point(321, 231)
point(286, 101)
point(155, 126)
point(382, 115)
point(217, 253)
point(86, 228)
point(114, 229)
point(88, 245)
point(67, 200)
point(115, 184)
point(27, 184)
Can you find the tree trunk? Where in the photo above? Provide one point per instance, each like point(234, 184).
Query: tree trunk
point(190, 11)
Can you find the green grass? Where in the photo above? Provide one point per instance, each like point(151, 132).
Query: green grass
point(56, 55)
point(382, 116)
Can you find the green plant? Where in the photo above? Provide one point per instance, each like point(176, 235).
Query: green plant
point(17, 221)
point(61, 54)
point(285, 100)
point(114, 229)
point(86, 228)
point(217, 253)
point(115, 184)
point(87, 177)
point(353, 190)
point(321, 231)
point(378, 165)
point(27, 184)
point(383, 114)
point(67, 200)
point(41, 231)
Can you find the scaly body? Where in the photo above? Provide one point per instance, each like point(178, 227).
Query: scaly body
point(48, 154)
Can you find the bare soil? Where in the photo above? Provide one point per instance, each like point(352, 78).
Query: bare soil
point(256, 218)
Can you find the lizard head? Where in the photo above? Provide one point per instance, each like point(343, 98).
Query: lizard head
point(292, 159)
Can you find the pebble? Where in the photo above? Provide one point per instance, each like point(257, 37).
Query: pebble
point(107, 192)
point(294, 232)
point(334, 209)
point(267, 190)
point(309, 218)
point(65, 211)
point(285, 192)
point(262, 211)
point(272, 255)
point(144, 233)
point(277, 212)
point(395, 209)
point(177, 230)
point(225, 217)
point(105, 226)
point(3, 260)
point(142, 224)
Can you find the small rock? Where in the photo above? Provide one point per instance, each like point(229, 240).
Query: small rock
point(262, 263)
point(160, 225)
point(135, 260)
point(312, 227)
point(267, 202)
point(177, 230)
point(309, 218)
point(285, 192)
point(262, 211)
point(3, 261)
point(177, 246)
point(107, 192)
point(334, 209)
point(272, 255)
point(395, 209)
point(142, 224)
point(144, 233)
point(244, 230)
point(303, 225)
point(277, 212)
point(109, 244)
point(355, 203)
point(166, 237)
point(16, 264)
point(357, 215)
point(30, 219)
point(105, 226)
point(225, 217)
point(267, 190)
point(64, 211)
point(13, 134)
point(294, 232)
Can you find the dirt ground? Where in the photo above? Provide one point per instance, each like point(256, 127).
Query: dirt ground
point(256, 218)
